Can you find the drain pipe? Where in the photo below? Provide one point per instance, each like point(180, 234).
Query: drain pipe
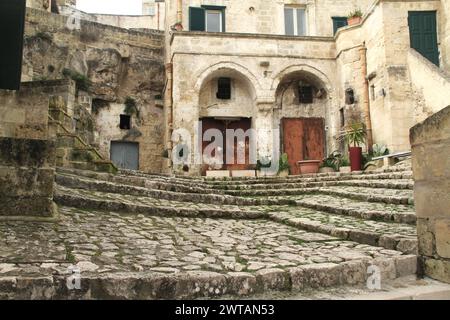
point(365, 97)
point(169, 104)
point(180, 11)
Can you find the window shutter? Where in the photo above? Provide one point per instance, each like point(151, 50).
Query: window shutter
point(196, 19)
point(339, 22)
point(301, 22)
point(289, 21)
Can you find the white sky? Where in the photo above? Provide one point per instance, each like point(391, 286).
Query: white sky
point(127, 7)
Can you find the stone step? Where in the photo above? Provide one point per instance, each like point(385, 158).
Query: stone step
point(388, 196)
point(87, 199)
point(393, 236)
point(77, 182)
point(181, 258)
point(370, 232)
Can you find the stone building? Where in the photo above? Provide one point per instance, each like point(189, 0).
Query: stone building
point(296, 68)
point(292, 70)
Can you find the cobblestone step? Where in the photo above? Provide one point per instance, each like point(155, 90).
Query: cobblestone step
point(393, 236)
point(111, 187)
point(124, 256)
point(87, 199)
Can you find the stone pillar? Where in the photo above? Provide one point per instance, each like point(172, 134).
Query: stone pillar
point(430, 142)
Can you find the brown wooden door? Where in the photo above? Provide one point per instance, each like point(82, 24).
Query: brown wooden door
point(223, 125)
point(303, 139)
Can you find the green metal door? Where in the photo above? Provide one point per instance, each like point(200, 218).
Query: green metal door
point(423, 34)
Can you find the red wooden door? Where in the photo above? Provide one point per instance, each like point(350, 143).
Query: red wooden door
point(303, 139)
point(223, 125)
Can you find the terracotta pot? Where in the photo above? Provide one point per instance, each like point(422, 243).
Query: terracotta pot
point(355, 155)
point(309, 166)
point(354, 20)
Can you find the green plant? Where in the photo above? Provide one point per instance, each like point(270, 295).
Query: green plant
point(82, 82)
point(283, 163)
point(345, 162)
point(379, 150)
point(334, 160)
point(98, 104)
point(354, 134)
point(357, 13)
point(131, 106)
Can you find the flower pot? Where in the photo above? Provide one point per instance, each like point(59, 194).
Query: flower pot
point(355, 155)
point(326, 170)
point(309, 166)
point(354, 20)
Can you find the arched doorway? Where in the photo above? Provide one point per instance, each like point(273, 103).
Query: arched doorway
point(302, 100)
point(226, 114)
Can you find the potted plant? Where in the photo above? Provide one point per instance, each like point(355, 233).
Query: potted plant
point(355, 135)
point(355, 17)
point(309, 166)
point(331, 163)
point(283, 166)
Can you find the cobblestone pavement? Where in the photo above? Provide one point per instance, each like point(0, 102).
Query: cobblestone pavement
point(130, 240)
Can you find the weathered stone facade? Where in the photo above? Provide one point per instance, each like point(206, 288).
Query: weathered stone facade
point(118, 63)
point(430, 142)
point(262, 61)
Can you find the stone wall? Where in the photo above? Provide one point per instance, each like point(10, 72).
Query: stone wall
point(27, 157)
point(267, 17)
point(155, 22)
point(39, 4)
point(430, 142)
point(429, 84)
point(117, 63)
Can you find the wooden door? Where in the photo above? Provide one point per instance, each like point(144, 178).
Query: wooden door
point(303, 139)
point(223, 125)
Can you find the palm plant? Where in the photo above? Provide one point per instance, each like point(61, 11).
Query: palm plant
point(354, 134)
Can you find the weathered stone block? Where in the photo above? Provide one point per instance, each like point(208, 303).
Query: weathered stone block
point(437, 269)
point(442, 233)
point(273, 279)
point(26, 152)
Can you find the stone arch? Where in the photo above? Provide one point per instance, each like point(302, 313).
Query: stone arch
point(315, 73)
point(242, 72)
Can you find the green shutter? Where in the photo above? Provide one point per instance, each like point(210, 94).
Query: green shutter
point(423, 34)
point(339, 22)
point(196, 19)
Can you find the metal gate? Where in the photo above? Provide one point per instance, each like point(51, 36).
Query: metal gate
point(125, 155)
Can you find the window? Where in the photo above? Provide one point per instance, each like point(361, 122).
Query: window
point(349, 96)
point(295, 21)
point(224, 88)
point(125, 122)
point(342, 117)
point(207, 18)
point(339, 22)
point(213, 21)
point(305, 94)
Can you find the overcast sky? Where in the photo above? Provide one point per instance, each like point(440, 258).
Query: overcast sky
point(129, 7)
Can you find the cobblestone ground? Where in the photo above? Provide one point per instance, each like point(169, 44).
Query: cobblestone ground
point(130, 240)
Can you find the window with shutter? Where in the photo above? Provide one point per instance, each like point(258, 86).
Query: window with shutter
point(196, 19)
point(339, 22)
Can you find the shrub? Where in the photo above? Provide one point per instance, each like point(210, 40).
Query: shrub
point(82, 82)
point(355, 14)
point(283, 163)
point(131, 106)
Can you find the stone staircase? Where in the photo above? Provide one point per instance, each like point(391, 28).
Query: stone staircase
point(183, 237)
point(71, 149)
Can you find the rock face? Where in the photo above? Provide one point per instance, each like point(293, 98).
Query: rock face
point(109, 63)
point(430, 142)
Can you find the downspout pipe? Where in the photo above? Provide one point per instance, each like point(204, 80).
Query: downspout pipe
point(365, 97)
point(180, 11)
